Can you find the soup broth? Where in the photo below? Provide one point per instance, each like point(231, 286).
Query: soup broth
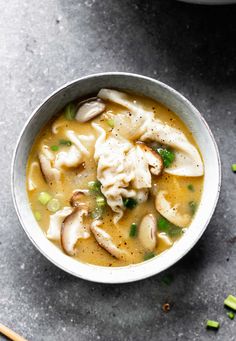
point(128, 239)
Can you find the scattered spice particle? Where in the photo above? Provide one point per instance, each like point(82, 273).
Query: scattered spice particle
point(166, 307)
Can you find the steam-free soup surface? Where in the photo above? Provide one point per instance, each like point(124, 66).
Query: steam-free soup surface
point(183, 193)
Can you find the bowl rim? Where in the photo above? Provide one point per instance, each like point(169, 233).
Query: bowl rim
point(151, 270)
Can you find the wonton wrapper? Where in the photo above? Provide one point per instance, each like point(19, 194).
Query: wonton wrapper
point(187, 161)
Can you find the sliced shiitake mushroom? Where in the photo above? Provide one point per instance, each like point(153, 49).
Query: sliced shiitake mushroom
point(147, 232)
point(154, 159)
point(105, 241)
point(79, 199)
point(89, 109)
point(73, 228)
point(56, 219)
point(171, 213)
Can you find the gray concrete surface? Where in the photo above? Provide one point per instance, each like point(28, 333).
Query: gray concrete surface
point(46, 43)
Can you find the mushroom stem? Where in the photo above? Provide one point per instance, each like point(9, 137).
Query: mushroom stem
point(89, 109)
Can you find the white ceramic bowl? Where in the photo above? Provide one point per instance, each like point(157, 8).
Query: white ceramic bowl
point(158, 91)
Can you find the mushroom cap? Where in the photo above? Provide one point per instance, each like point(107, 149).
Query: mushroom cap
point(72, 229)
point(171, 213)
point(89, 109)
point(105, 240)
point(148, 232)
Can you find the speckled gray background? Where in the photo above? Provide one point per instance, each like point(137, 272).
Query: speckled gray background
point(192, 48)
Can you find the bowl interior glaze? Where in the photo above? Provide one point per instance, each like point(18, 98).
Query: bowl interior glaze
point(145, 86)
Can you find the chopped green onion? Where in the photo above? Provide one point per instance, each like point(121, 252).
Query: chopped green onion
point(54, 148)
point(212, 324)
point(53, 205)
point(149, 255)
point(70, 112)
point(94, 186)
point(163, 224)
point(230, 315)
point(97, 213)
point(37, 215)
point(44, 198)
point(111, 123)
point(100, 201)
point(130, 203)
point(233, 167)
point(65, 142)
point(167, 156)
point(230, 302)
point(133, 230)
point(175, 231)
point(191, 187)
point(192, 206)
point(167, 279)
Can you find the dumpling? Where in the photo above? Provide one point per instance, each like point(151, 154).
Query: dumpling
point(76, 140)
point(187, 161)
point(123, 170)
point(129, 124)
point(140, 123)
point(70, 158)
point(110, 155)
point(143, 161)
point(48, 169)
point(74, 155)
point(119, 98)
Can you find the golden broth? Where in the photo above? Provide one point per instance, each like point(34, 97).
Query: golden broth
point(89, 250)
